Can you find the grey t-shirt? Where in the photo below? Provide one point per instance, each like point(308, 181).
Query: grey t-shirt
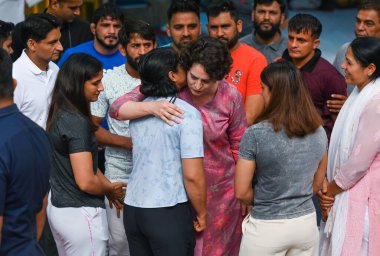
point(272, 51)
point(71, 133)
point(285, 169)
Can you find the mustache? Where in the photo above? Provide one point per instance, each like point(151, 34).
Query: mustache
point(266, 22)
point(185, 37)
point(113, 37)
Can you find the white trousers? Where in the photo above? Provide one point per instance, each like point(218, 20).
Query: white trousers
point(297, 236)
point(117, 242)
point(79, 231)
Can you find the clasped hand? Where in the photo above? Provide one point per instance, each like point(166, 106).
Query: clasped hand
point(116, 196)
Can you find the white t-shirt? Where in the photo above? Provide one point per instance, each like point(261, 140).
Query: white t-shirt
point(34, 87)
point(116, 82)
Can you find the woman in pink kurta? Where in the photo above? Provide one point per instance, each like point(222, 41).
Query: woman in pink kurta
point(353, 224)
point(224, 123)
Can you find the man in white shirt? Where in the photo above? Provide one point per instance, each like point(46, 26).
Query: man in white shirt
point(136, 39)
point(34, 71)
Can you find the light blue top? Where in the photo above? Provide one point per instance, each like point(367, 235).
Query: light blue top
point(108, 61)
point(157, 179)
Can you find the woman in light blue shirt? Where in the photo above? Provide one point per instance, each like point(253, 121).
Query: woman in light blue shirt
point(167, 167)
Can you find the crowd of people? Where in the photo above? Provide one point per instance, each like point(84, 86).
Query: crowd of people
point(212, 145)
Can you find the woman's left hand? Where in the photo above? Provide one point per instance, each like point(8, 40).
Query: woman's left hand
point(119, 205)
point(245, 209)
point(117, 192)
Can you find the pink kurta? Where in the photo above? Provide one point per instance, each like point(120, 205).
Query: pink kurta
point(224, 123)
point(361, 176)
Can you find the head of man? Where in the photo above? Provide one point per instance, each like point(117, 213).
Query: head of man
point(6, 36)
point(6, 81)
point(223, 22)
point(368, 20)
point(66, 10)
point(268, 16)
point(106, 24)
point(184, 25)
point(41, 34)
point(136, 39)
point(303, 37)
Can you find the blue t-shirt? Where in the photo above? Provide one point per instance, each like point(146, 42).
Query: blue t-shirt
point(108, 61)
point(156, 179)
point(25, 155)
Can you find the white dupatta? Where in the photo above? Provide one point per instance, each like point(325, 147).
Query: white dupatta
point(341, 143)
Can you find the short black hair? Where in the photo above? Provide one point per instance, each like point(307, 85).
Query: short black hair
point(216, 7)
point(37, 26)
point(130, 27)
point(269, 2)
point(182, 6)
point(371, 5)
point(154, 68)
point(304, 23)
point(107, 10)
point(211, 53)
point(366, 50)
point(5, 31)
point(6, 80)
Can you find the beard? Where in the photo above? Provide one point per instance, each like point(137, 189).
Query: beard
point(230, 43)
point(181, 45)
point(105, 45)
point(134, 63)
point(266, 34)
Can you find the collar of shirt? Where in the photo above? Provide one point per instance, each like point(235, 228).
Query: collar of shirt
point(310, 65)
point(33, 67)
point(8, 110)
point(275, 46)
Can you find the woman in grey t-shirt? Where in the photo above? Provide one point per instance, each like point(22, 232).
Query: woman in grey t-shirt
point(286, 152)
point(76, 211)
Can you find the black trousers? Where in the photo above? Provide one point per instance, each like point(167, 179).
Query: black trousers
point(167, 231)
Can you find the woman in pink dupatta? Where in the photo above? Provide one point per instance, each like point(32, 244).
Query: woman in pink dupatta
point(224, 123)
point(353, 224)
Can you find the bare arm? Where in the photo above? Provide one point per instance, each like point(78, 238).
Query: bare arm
point(333, 189)
point(320, 174)
point(164, 110)
point(41, 218)
point(195, 184)
point(88, 182)
point(245, 170)
point(106, 138)
point(254, 106)
point(129, 106)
